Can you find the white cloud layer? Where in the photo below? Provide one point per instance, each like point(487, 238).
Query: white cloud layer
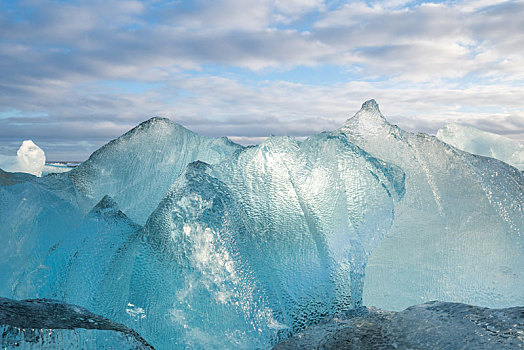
point(88, 71)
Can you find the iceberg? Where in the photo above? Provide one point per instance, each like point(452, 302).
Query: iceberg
point(199, 242)
point(29, 159)
point(457, 233)
point(263, 244)
point(483, 143)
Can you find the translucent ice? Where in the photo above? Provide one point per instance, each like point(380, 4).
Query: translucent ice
point(29, 159)
point(242, 246)
point(34, 220)
point(265, 243)
point(483, 143)
point(457, 234)
point(138, 168)
point(49, 248)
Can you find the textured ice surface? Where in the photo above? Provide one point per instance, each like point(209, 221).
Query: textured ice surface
point(138, 168)
point(49, 248)
point(34, 221)
point(49, 324)
point(241, 247)
point(434, 325)
point(29, 159)
point(247, 251)
point(483, 143)
point(457, 233)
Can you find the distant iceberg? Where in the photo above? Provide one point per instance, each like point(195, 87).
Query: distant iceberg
point(483, 143)
point(29, 159)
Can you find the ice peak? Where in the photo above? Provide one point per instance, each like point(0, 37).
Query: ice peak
point(107, 205)
point(157, 119)
point(196, 167)
point(370, 105)
point(370, 111)
point(154, 125)
point(157, 122)
point(109, 209)
point(368, 116)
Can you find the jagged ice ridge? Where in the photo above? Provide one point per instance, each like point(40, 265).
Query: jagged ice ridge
point(200, 242)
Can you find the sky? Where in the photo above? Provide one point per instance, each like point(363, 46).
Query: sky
point(76, 74)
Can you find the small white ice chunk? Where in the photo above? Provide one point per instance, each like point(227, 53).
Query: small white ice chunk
point(29, 159)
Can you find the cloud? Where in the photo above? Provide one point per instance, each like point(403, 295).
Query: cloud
point(417, 43)
point(91, 70)
point(248, 112)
